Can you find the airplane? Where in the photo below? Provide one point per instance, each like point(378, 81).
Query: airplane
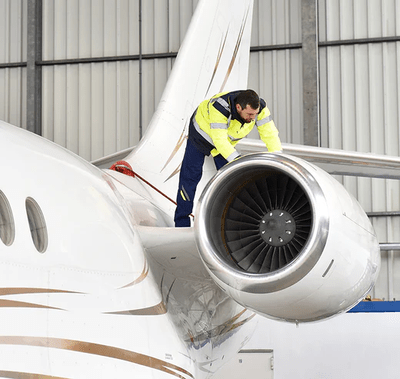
point(96, 282)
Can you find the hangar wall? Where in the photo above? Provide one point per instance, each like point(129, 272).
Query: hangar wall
point(91, 105)
point(13, 37)
point(104, 65)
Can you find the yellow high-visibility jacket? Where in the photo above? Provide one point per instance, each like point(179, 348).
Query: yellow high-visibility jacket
point(219, 123)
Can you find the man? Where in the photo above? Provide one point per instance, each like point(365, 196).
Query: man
point(216, 126)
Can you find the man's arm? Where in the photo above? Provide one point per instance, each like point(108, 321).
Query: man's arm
point(269, 134)
point(219, 134)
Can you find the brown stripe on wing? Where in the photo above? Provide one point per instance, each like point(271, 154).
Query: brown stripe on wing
point(99, 350)
point(22, 304)
point(26, 375)
point(234, 56)
point(222, 329)
point(155, 310)
point(22, 290)
point(218, 61)
point(141, 277)
point(176, 171)
point(181, 140)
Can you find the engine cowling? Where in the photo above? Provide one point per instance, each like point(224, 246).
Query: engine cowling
point(285, 239)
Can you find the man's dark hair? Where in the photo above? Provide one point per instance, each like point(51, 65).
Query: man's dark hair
point(248, 97)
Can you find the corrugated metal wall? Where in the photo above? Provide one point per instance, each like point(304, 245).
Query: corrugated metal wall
point(277, 74)
point(359, 96)
point(92, 107)
point(13, 15)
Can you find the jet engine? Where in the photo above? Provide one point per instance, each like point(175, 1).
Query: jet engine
point(284, 238)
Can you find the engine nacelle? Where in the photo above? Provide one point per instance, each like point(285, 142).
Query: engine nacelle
point(285, 239)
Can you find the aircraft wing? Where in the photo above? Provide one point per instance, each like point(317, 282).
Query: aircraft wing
point(174, 249)
point(335, 161)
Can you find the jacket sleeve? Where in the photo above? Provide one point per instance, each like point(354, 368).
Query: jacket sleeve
point(219, 134)
point(268, 132)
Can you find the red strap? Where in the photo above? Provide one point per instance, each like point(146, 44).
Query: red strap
point(125, 168)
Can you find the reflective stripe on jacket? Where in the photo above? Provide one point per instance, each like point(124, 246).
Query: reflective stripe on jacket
point(219, 123)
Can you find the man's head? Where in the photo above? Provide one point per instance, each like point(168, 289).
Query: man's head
point(248, 105)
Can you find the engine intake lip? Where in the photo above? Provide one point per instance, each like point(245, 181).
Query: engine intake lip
point(223, 226)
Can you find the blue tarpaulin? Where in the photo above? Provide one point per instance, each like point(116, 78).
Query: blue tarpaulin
point(376, 306)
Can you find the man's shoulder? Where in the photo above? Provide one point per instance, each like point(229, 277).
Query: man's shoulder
point(225, 95)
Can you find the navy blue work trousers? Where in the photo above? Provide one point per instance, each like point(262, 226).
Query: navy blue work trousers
point(189, 178)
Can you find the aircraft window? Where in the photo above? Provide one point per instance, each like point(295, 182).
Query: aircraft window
point(7, 227)
point(37, 225)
